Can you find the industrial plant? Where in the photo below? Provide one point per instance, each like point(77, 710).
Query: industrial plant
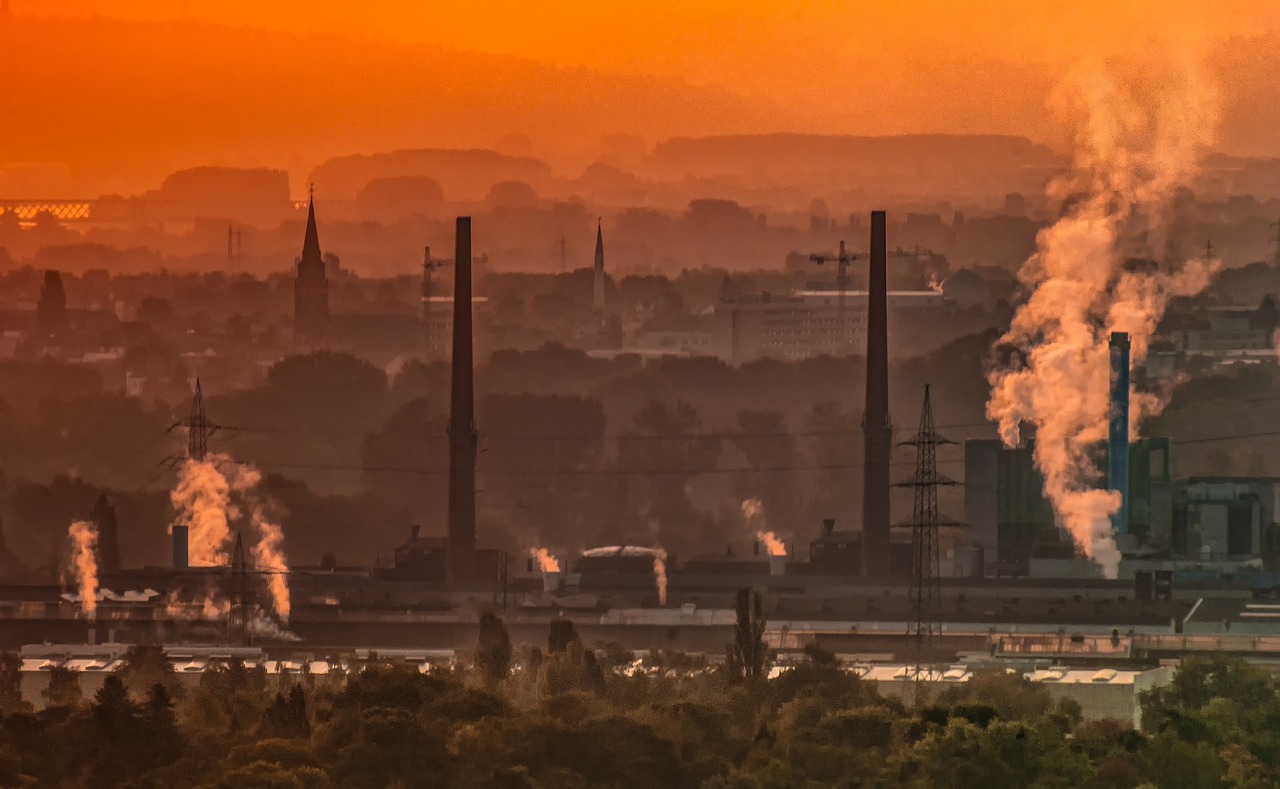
point(1003, 586)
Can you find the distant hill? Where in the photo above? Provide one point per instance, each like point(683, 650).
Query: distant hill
point(464, 175)
point(126, 103)
point(922, 163)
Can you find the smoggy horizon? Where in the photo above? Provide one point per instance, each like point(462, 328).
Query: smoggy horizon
point(165, 87)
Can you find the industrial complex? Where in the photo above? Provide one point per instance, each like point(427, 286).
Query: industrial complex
point(919, 598)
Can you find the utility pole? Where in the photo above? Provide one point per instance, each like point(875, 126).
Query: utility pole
point(926, 591)
point(238, 620)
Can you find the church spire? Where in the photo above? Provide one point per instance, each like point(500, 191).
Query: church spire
point(311, 243)
point(598, 290)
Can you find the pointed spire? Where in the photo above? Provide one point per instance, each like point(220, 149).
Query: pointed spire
point(311, 243)
point(597, 295)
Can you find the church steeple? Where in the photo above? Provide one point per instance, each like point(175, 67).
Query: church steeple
point(310, 288)
point(598, 294)
point(311, 242)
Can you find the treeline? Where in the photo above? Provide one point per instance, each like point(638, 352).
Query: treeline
point(578, 717)
point(576, 450)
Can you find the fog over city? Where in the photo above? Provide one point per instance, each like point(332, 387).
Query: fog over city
point(678, 394)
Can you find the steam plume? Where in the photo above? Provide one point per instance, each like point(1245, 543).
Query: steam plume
point(84, 563)
point(268, 552)
point(1133, 152)
point(546, 562)
point(660, 574)
point(753, 511)
point(202, 502)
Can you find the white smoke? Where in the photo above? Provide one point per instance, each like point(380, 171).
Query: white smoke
point(84, 564)
point(753, 511)
point(268, 551)
point(1136, 147)
point(660, 574)
point(202, 502)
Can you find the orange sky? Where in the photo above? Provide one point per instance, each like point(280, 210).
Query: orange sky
point(828, 66)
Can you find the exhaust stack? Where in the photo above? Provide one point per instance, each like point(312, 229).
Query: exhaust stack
point(462, 420)
point(1118, 445)
point(877, 431)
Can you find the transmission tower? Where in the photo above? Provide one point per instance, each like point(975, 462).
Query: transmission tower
point(926, 592)
point(198, 428)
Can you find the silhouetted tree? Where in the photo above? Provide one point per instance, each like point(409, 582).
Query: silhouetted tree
point(63, 689)
point(745, 658)
point(11, 683)
point(562, 634)
point(493, 654)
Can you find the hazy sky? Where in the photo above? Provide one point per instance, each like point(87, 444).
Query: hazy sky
point(830, 66)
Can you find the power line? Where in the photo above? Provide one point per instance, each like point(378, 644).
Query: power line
point(572, 472)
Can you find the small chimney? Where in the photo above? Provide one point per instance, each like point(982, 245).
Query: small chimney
point(179, 538)
point(755, 548)
point(414, 531)
point(828, 527)
point(530, 563)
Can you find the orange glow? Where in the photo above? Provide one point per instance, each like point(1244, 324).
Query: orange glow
point(290, 83)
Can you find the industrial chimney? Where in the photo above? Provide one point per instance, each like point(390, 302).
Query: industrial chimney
point(1118, 445)
point(877, 432)
point(462, 420)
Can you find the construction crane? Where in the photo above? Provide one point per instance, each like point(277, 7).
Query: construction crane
point(843, 259)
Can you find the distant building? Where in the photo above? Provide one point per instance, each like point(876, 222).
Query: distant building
point(1220, 518)
point(805, 323)
point(51, 311)
point(310, 289)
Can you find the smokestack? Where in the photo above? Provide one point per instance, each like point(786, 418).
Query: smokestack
point(179, 548)
point(462, 420)
point(1118, 446)
point(876, 429)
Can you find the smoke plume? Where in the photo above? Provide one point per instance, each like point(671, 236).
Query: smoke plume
point(268, 551)
point(202, 502)
point(753, 511)
point(84, 564)
point(546, 562)
point(1135, 148)
point(660, 574)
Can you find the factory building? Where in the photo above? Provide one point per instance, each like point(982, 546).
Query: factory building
point(806, 323)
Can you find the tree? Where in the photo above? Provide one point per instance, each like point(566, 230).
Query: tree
point(64, 688)
point(11, 684)
point(286, 718)
point(493, 654)
point(745, 658)
point(562, 633)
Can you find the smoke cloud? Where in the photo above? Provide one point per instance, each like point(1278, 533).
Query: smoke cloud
point(268, 551)
point(546, 562)
point(660, 574)
point(1139, 141)
point(202, 502)
point(753, 511)
point(84, 564)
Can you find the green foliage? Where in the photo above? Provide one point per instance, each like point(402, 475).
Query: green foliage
point(493, 654)
point(567, 722)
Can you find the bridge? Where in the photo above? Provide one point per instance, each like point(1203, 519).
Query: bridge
point(118, 210)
